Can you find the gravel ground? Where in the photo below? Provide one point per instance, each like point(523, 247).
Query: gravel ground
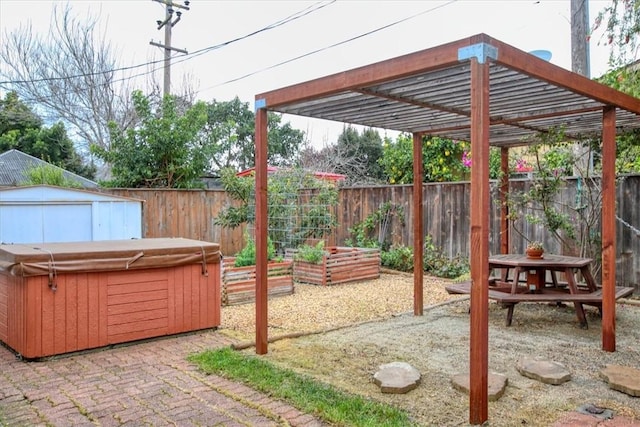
point(317, 308)
point(437, 344)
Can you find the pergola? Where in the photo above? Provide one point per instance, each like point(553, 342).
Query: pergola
point(477, 89)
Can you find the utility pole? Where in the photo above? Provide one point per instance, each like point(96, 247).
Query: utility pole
point(580, 64)
point(579, 34)
point(168, 24)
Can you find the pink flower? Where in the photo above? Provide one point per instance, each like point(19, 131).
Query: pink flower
point(522, 166)
point(466, 159)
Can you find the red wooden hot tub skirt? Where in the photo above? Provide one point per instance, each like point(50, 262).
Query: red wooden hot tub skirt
point(54, 303)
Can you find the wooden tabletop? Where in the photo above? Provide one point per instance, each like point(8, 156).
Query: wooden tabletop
point(547, 261)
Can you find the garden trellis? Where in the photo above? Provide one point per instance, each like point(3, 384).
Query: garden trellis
point(301, 207)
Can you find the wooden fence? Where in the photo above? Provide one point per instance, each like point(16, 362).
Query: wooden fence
point(185, 213)
point(190, 213)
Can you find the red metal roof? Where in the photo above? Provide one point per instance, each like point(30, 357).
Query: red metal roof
point(327, 176)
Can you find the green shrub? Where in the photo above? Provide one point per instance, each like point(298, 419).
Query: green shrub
point(247, 256)
point(48, 175)
point(398, 258)
point(313, 254)
point(374, 231)
point(436, 262)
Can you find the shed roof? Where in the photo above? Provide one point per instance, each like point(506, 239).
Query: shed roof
point(430, 92)
point(34, 194)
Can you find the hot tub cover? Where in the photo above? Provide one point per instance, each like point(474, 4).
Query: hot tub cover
point(109, 255)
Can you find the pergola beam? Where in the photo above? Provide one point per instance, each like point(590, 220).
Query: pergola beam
point(520, 61)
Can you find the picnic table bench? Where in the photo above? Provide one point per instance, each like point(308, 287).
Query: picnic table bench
point(509, 289)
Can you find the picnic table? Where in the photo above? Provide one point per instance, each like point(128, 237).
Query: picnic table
point(524, 279)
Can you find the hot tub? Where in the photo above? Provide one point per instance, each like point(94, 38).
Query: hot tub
point(62, 297)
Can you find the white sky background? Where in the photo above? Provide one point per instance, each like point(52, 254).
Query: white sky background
point(131, 24)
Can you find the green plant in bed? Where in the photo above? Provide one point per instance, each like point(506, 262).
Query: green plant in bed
point(247, 256)
point(312, 254)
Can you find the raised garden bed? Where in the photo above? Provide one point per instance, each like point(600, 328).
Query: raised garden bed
point(339, 265)
point(239, 283)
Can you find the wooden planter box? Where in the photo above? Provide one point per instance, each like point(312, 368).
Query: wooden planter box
point(340, 265)
point(64, 297)
point(239, 283)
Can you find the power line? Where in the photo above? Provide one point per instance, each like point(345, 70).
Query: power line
point(276, 24)
point(194, 54)
point(313, 8)
point(384, 27)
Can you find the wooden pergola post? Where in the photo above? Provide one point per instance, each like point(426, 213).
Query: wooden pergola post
point(479, 328)
point(261, 232)
point(418, 232)
point(505, 240)
point(609, 229)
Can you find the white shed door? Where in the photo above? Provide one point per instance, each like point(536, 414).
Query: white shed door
point(67, 223)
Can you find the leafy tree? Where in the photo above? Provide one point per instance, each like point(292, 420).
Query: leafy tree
point(15, 115)
point(628, 153)
point(230, 133)
point(442, 159)
point(70, 73)
point(397, 159)
point(284, 142)
point(164, 150)
point(626, 79)
point(22, 129)
point(495, 163)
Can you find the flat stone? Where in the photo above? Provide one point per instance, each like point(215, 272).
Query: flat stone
point(497, 383)
point(595, 411)
point(397, 377)
point(542, 370)
point(622, 378)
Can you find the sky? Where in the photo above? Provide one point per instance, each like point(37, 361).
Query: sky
point(377, 30)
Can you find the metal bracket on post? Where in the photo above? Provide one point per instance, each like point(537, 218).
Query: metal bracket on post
point(481, 51)
point(259, 103)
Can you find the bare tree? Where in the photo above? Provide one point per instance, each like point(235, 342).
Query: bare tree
point(335, 159)
point(69, 74)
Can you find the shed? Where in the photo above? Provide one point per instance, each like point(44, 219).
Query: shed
point(44, 214)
